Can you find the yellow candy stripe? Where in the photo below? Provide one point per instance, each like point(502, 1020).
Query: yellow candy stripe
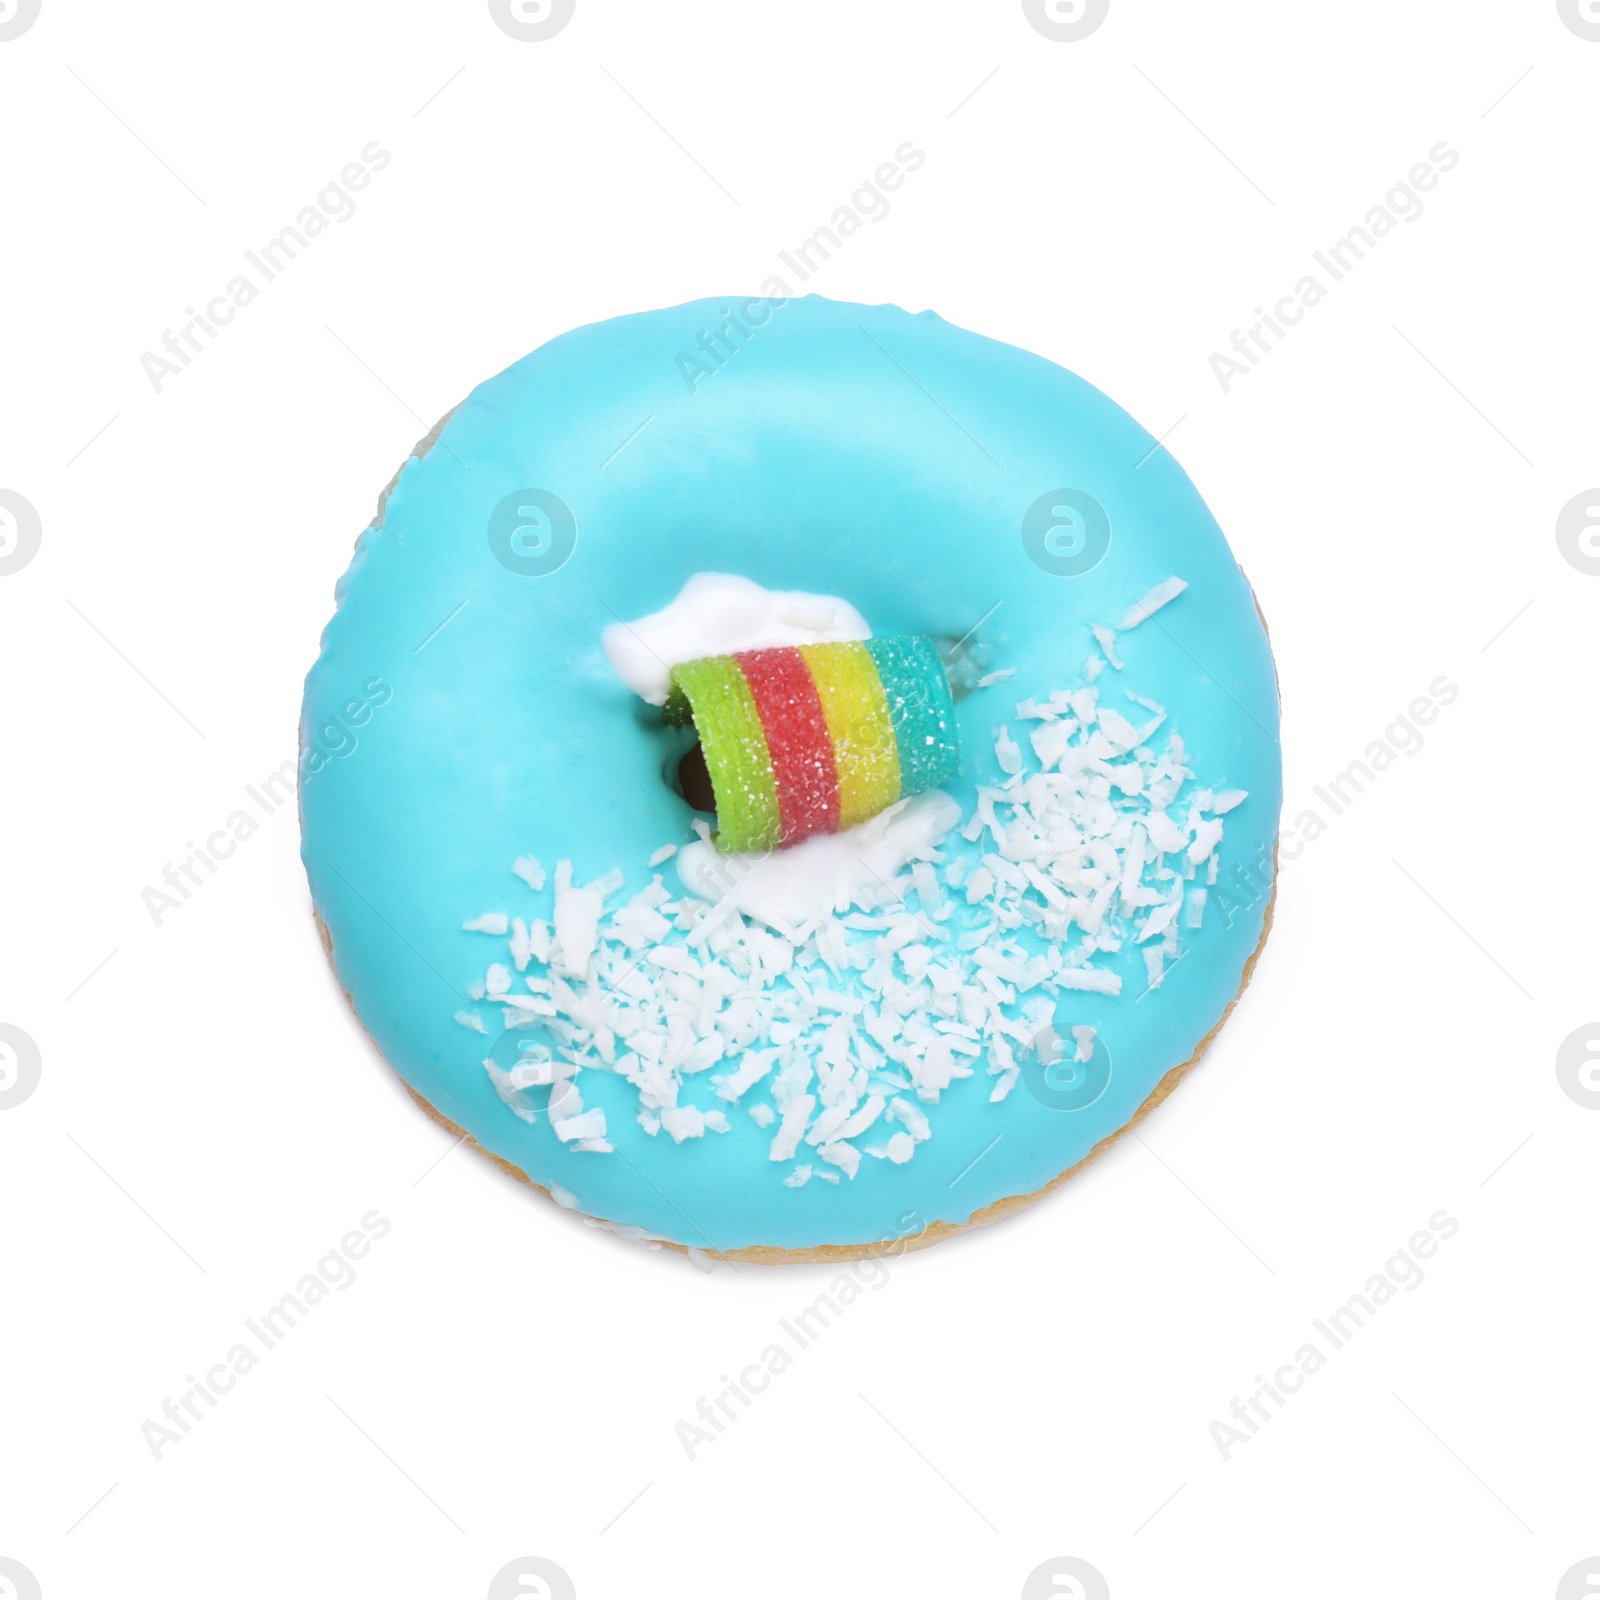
point(735, 749)
point(857, 713)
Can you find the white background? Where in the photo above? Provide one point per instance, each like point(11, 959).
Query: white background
point(501, 1381)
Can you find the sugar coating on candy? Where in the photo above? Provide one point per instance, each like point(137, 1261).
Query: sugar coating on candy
point(921, 711)
point(816, 739)
point(857, 715)
point(797, 741)
point(735, 746)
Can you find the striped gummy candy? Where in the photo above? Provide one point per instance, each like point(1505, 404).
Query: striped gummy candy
point(812, 739)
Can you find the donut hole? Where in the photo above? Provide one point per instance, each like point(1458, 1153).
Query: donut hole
point(694, 781)
point(683, 764)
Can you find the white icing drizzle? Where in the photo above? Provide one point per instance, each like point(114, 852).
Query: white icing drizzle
point(718, 614)
point(790, 889)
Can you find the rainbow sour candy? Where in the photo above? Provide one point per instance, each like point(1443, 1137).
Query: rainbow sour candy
point(816, 738)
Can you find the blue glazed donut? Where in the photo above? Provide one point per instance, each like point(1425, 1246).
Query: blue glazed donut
point(487, 805)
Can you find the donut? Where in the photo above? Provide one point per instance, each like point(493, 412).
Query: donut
point(788, 779)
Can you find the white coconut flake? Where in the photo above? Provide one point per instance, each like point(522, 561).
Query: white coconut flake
point(1095, 980)
point(684, 1122)
point(996, 677)
point(528, 869)
point(586, 1125)
point(862, 1119)
point(900, 1148)
point(844, 1156)
point(1116, 727)
point(1050, 742)
point(1156, 923)
point(470, 1019)
point(515, 1098)
point(577, 920)
point(787, 1139)
point(1107, 640)
point(665, 853)
point(1164, 833)
point(750, 1071)
point(912, 1118)
point(1141, 611)
point(489, 922)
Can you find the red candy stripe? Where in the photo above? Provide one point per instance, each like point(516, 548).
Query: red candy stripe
point(797, 740)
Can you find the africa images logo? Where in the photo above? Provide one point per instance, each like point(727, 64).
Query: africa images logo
point(16, 17)
point(532, 21)
point(20, 532)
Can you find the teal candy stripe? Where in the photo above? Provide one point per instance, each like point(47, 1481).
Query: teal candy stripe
point(920, 710)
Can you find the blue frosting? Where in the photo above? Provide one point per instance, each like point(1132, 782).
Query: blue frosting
point(840, 449)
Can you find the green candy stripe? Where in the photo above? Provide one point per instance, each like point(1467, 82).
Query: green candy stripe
point(920, 710)
point(735, 749)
